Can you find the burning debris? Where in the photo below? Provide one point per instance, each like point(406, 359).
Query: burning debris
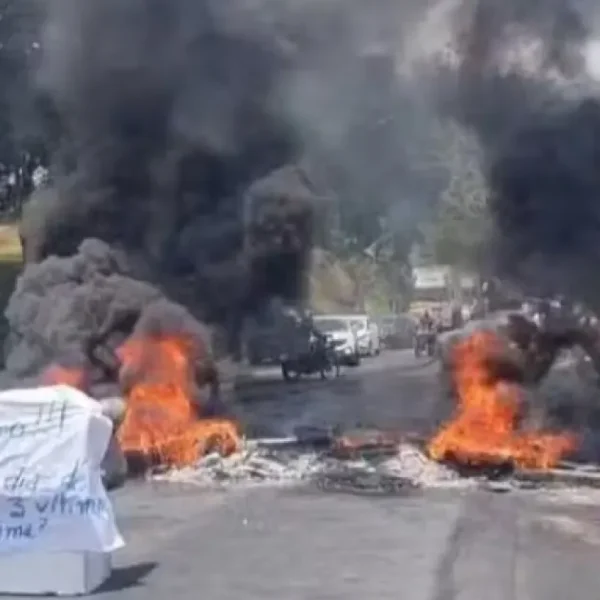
point(162, 422)
point(485, 429)
point(86, 322)
point(358, 443)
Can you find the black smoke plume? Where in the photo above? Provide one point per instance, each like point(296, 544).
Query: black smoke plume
point(522, 86)
point(75, 312)
point(168, 117)
point(190, 135)
point(167, 114)
point(546, 201)
point(204, 140)
point(525, 87)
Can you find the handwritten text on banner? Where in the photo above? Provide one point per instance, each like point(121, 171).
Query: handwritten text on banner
point(52, 441)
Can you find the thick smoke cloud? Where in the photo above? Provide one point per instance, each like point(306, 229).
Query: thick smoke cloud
point(523, 85)
point(75, 312)
point(203, 140)
point(546, 183)
point(168, 114)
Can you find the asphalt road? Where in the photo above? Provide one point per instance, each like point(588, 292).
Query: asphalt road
point(394, 390)
point(265, 542)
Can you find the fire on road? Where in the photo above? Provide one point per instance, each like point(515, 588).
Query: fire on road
point(455, 540)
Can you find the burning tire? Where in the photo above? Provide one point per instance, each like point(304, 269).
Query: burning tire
point(485, 430)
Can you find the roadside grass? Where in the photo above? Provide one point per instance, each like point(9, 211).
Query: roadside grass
point(10, 245)
point(11, 260)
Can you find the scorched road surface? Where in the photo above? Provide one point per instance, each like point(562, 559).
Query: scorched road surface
point(301, 543)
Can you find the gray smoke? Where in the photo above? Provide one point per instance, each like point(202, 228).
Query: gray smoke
point(546, 187)
point(75, 312)
point(167, 115)
point(523, 85)
point(203, 140)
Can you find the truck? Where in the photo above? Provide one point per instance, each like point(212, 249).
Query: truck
point(438, 288)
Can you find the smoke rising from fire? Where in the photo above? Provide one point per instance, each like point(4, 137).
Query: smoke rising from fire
point(204, 140)
point(76, 312)
point(525, 85)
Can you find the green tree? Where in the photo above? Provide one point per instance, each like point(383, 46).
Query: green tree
point(461, 225)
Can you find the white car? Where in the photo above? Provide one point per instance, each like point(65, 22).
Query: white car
point(367, 334)
point(342, 336)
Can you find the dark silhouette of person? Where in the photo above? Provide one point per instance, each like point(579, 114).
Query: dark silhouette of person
point(426, 321)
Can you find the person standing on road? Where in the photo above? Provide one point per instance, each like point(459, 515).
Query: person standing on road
point(426, 321)
point(456, 319)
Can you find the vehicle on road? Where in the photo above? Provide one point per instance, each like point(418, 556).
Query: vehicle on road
point(397, 331)
point(321, 358)
point(342, 337)
point(425, 342)
point(441, 290)
point(367, 334)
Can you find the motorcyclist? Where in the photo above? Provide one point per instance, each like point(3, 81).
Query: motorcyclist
point(308, 335)
point(318, 340)
point(310, 345)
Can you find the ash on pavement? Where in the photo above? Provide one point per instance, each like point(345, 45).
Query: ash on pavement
point(253, 465)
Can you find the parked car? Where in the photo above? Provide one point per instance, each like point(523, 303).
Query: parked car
point(343, 337)
point(367, 334)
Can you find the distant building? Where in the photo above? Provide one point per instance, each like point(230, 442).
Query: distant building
point(438, 287)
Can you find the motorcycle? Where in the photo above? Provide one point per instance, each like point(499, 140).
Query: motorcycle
point(425, 341)
point(321, 358)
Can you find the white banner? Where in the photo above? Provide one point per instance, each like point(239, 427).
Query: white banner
point(52, 441)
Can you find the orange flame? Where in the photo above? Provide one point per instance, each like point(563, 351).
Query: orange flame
point(161, 418)
point(484, 428)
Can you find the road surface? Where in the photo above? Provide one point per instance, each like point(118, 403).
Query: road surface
point(392, 390)
point(301, 543)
